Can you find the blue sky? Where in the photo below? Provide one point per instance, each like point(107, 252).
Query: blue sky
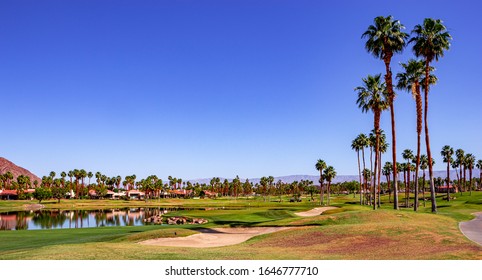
point(197, 89)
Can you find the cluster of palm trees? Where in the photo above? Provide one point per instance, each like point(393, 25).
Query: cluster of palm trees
point(406, 168)
point(327, 173)
point(362, 141)
point(463, 162)
point(73, 184)
point(384, 39)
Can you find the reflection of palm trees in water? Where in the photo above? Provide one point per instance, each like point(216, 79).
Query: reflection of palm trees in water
point(48, 219)
point(21, 221)
point(99, 217)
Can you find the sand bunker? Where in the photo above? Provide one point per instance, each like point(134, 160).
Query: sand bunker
point(213, 237)
point(473, 228)
point(315, 211)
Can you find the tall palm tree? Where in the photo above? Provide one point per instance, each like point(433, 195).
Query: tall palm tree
point(384, 39)
point(430, 41)
point(447, 153)
point(356, 145)
point(320, 166)
point(470, 162)
point(329, 173)
point(364, 142)
point(410, 81)
point(408, 156)
point(460, 160)
point(372, 96)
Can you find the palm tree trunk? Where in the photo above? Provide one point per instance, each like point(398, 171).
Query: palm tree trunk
point(394, 156)
point(389, 189)
point(359, 175)
point(364, 179)
point(373, 192)
point(423, 188)
point(448, 180)
point(388, 81)
point(418, 101)
point(407, 188)
point(427, 140)
point(321, 187)
point(405, 185)
point(377, 148)
point(379, 177)
point(459, 186)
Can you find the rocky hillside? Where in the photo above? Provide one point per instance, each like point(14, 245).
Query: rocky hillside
point(6, 165)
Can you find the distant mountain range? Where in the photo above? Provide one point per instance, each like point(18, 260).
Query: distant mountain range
point(338, 179)
point(6, 165)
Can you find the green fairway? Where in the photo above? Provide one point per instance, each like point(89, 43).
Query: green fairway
point(349, 232)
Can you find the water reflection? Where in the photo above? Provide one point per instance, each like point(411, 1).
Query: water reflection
point(53, 219)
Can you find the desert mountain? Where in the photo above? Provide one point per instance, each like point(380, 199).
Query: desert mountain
point(6, 165)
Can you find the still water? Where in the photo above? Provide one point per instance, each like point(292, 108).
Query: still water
point(54, 219)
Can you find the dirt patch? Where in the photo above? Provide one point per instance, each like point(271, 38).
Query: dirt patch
point(299, 239)
point(213, 237)
point(315, 211)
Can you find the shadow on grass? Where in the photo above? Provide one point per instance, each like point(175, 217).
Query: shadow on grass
point(236, 223)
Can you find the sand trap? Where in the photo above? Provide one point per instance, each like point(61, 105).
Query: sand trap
point(315, 211)
point(473, 228)
point(213, 237)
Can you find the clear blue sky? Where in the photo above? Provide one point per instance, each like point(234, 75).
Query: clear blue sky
point(196, 89)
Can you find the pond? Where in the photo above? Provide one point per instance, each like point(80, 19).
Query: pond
point(55, 219)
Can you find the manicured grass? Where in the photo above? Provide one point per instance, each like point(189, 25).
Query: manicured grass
point(350, 232)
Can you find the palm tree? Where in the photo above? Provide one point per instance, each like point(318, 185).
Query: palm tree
point(329, 173)
point(372, 97)
point(387, 171)
point(385, 38)
point(455, 164)
point(383, 147)
point(366, 176)
point(90, 175)
point(447, 153)
point(357, 146)
point(83, 175)
point(423, 166)
point(479, 166)
point(364, 142)
point(430, 41)
point(408, 156)
point(460, 160)
point(410, 81)
point(320, 166)
point(469, 162)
